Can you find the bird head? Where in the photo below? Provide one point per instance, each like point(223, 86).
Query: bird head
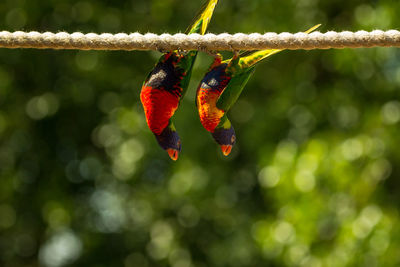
point(225, 136)
point(170, 141)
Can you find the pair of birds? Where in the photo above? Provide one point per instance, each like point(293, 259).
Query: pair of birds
point(220, 88)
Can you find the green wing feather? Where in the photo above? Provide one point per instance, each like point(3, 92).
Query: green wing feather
point(256, 57)
point(199, 25)
point(201, 21)
point(241, 70)
point(235, 87)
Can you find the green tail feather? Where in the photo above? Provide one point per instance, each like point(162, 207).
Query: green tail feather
point(254, 58)
point(241, 68)
point(199, 25)
point(201, 21)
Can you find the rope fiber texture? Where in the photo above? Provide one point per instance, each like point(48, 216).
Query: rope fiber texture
point(208, 42)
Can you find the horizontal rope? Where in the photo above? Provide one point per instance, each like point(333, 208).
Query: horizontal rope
point(208, 42)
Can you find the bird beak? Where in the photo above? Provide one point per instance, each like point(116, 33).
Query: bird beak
point(226, 149)
point(173, 153)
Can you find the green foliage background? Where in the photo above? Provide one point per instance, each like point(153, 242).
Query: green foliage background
point(313, 180)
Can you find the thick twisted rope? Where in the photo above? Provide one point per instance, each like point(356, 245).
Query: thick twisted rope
point(208, 42)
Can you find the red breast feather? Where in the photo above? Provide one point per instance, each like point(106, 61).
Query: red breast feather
point(211, 87)
point(210, 115)
point(161, 93)
point(159, 106)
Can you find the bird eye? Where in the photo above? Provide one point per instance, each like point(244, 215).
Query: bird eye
point(233, 139)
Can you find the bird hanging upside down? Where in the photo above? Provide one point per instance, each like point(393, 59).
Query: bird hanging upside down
point(165, 86)
point(221, 87)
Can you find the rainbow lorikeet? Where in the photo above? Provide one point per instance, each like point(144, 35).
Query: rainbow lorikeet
point(167, 83)
point(220, 89)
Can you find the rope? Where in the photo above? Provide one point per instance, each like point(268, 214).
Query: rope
point(208, 42)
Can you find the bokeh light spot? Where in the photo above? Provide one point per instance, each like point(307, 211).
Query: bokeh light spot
point(378, 170)
point(182, 182)
point(180, 258)
point(365, 15)
point(61, 249)
point(42, 106)
point(368, 218)
point(308, 162)
point(126, 157)
point(297, 253)
point(304, 181)
point(162, 237)
point(58, 218)
point(269, 177)
point(391, 112)
point(352, 149)
point(108, 206)
point(380, 242)
point(107, 135)
point(311, 261)
point(284, 233)
point(56, 215)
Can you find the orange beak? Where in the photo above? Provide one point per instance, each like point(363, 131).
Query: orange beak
point(226, 149)
point(173, 153)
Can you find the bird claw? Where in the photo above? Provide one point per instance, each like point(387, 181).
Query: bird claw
point(215, 54)
point(182, 52)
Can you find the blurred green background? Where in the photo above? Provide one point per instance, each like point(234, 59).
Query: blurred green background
point(313, 180)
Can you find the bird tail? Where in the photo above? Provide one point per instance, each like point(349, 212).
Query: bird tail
point(201, 21)
point(247, 61)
